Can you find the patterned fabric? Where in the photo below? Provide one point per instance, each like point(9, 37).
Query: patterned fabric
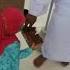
point(9, 60)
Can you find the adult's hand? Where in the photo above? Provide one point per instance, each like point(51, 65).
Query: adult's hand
point(30, 20)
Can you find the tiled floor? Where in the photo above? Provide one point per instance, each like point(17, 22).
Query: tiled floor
point(48, 65)
point(27, 64)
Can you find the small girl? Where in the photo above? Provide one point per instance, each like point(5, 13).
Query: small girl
point(11, 20)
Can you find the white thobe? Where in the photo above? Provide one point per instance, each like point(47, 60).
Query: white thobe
point(56, 45)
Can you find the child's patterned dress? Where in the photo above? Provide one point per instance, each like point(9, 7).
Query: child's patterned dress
point(9, 60)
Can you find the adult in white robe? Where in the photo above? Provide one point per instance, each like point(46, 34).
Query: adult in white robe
point(56, 45)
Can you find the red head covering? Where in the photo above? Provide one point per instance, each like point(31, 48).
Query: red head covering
point(13, 19)
point(10, 23)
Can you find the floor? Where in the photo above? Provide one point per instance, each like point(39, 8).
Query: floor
point(27, 64)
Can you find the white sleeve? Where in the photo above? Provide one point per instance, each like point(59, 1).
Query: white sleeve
point(39, 7)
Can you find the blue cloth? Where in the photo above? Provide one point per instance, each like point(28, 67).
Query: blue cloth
point(25, 53)
point(9, 60)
